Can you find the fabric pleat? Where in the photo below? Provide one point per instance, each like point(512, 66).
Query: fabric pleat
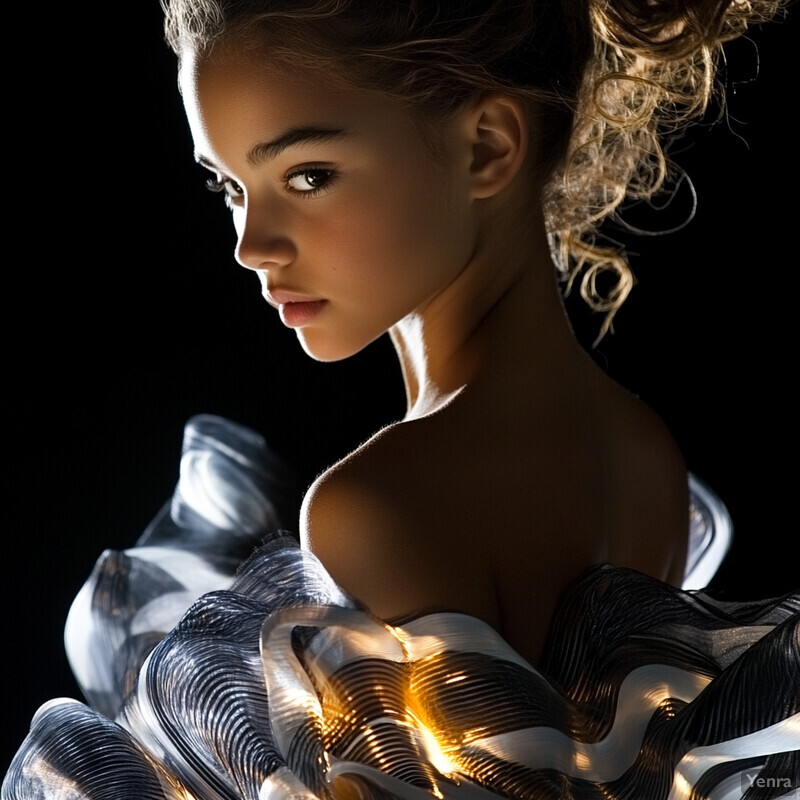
point(220, 661)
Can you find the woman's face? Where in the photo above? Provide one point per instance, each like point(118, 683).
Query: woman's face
point(340, 205)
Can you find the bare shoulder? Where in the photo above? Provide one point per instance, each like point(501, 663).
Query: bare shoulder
point(650, 482)
point(352, 497)
point(372, 521)
point(497, 519)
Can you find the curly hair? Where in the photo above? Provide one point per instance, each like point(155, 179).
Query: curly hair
point(606, 81)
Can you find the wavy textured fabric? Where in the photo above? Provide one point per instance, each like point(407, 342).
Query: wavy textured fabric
point(211, 674)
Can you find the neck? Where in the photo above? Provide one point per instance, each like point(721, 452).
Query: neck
point(501, 315)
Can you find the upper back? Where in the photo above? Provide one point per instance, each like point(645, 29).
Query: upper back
point(496, 519)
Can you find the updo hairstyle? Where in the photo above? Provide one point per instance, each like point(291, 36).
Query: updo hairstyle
point(605, 82)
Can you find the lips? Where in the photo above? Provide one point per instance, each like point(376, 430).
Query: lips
point(278, 297)
point(295, 308)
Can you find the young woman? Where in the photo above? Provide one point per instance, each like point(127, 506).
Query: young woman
point(365, 210)
point(438, 172)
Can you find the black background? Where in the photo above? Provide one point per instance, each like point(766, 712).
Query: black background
point(126, 314)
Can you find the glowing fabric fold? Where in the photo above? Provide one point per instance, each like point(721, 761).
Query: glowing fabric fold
point(216, 675)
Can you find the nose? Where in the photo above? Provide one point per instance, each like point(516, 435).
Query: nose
point(263, 242)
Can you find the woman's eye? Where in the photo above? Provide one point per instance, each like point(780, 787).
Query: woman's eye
point(232, 189)
point(309, 180)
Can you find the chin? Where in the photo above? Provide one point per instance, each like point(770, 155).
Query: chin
point(327, 349)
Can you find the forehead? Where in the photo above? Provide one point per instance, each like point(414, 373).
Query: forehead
point(242, 99)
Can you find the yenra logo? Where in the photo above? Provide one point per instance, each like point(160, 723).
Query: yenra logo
point(753, 779)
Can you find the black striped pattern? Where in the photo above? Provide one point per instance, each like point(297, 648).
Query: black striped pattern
point(210, 678)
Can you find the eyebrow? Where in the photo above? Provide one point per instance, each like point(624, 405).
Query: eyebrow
point(264, 151)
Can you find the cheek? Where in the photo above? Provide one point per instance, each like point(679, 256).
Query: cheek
point(412, 223)
point(238, 220)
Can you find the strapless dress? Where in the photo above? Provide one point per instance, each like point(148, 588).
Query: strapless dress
point(219, 661)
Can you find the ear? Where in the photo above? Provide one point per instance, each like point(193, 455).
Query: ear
point(498, 132)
